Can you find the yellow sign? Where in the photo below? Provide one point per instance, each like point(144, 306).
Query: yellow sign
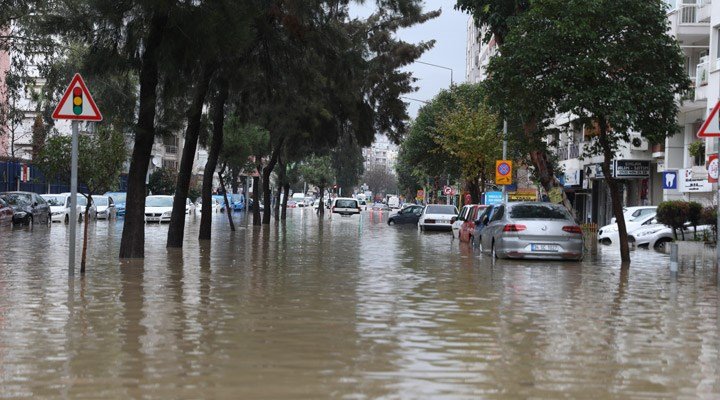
point(503, 172)
point(523, 195)
point(555, 195)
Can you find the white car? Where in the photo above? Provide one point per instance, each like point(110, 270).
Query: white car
point(345, 206)
point(608, 234)
point(60, 207)
point(656, 236)
point(190, 207)
point(158, 208)
point(460, 220)
point(438, 216)
point(299, 199)
point(104, 207)
point(636, 212)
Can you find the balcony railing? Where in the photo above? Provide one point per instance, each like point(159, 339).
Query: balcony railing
point(701, 74)
point(568, 152)
point(171, 149)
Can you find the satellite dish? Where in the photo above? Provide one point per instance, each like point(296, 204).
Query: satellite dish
point(157, 161)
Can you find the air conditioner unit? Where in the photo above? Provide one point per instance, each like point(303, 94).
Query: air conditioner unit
point(638, 143)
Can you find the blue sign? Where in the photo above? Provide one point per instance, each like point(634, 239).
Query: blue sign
point(493, 198)
point(670, 180)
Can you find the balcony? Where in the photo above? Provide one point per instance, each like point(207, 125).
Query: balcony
point(568, 151)
point(690, 23)
point(171, 149)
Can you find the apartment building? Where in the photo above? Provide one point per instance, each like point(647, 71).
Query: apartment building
point(382, 152)
point(640, 166)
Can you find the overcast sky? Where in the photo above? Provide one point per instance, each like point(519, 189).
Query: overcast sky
point(448, 30)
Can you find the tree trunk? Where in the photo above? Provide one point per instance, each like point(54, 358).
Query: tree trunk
point(321, 207)
point(229, 210)
point(234, 172)
point(281, 182)
point(132, 244)
point(176, 230)
point(608, 157)
point(286, 190)
point(218, 116)
point(266, 182)
point(544, 169)
point(256, 201)
point(83, 258)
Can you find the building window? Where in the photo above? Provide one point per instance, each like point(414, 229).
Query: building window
point(170, 164)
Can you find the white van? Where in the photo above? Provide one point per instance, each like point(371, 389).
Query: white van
point(393, 202)
point(345, 206)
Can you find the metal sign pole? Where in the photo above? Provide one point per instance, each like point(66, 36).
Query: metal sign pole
point(504, 157)
point(73, 198)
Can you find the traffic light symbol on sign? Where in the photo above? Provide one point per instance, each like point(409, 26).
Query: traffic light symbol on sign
point(77, 101)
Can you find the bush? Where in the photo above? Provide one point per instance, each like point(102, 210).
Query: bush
point(709, 217)
point(673, 214)
point(162, 181)
point(694, 216)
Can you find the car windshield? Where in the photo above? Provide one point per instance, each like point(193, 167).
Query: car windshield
point(539, 211)
point(158, 201)
point(100, 201)
point(118, 197)
point(439, 209)
point(18, 199)
point(54, 201)
point(346, 204)
point(639, 216)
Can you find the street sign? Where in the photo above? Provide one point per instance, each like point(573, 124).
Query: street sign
point(420, 196)
point(711, 127)
point(670, 179)
point(493, 198)
point(447, 190)
point(503, 172)
point(713, 168)
point(77, 103)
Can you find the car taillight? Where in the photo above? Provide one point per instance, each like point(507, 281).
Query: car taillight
point(573, 229)
point(514, 228)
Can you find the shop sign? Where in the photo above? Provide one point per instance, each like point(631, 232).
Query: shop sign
point(492, 198)
point(632, 169)
point(572, 178)
point(523, 195)
point(687, 183)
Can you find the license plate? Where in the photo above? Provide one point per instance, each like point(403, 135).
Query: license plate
point(544, 247)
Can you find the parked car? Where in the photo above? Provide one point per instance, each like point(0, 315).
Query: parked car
point(467, 229)
point(363, 204)
point(393, 202)
point(81, 203)
point(409, 214)
point(481, 222)
point(462, 216)
point(657, 236)
point(298, 198)
point(533, 230)
point(60, 207)
point(237, 200)
point(215, 205)
point(6, 213)
point(380, 207)
point(631, 213)
point(608, 234)
point(158, 208)
point(28, 208)
point(437, 216)
point(190, 207)
point(292, 204)
point(345, 206)
point(119, 200)
point(104, 207)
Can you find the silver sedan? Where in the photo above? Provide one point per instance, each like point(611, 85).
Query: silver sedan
point(532, 230)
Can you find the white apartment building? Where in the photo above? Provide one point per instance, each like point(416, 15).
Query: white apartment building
point(382, 152)
point(640, 165)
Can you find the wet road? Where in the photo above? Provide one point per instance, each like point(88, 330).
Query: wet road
point(348, 308)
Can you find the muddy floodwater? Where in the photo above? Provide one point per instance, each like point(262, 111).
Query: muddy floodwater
point(349, 308)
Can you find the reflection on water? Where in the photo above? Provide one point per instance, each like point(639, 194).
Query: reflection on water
point(347, 308)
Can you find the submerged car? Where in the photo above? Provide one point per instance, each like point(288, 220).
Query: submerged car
point(119, 201)
point(104, 207)
point(6, 213)
point(60, 206)
point(437, 216)
point(533, 230)
point(462, 216)
point(28, 208)
point(657, 236)
point(158, 208)
point(467, 228)
point(407, 215)
point(608, 234)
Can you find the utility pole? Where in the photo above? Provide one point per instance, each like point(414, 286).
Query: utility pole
point(504, 157)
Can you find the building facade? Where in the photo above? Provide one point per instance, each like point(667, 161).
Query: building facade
point(640, 166)
point(382, 152)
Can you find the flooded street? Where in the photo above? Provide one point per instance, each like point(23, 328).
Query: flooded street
point(348, 308)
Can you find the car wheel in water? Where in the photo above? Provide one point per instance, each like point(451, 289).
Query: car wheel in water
point(391, 222)
point(662, 244)
point(493, 252)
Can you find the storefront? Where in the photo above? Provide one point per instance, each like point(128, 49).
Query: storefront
point(633, 177)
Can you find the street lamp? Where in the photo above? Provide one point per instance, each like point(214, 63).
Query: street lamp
point(439, 66)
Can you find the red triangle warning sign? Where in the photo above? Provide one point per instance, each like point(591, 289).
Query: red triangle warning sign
point(711, 127)
point(77, 103)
